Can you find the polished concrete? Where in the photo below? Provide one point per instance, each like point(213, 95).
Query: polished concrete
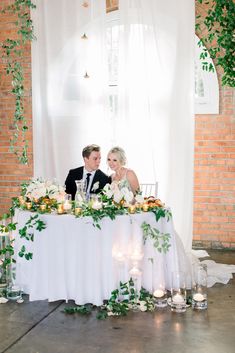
point(42, 327)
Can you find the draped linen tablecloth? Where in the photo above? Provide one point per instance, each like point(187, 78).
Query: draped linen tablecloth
point(74, 260)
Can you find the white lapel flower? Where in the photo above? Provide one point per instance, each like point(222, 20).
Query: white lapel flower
point(95, 186)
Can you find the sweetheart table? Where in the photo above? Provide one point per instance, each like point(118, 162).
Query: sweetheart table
point(73, 259)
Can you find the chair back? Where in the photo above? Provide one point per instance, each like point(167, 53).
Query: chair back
point(149, 189)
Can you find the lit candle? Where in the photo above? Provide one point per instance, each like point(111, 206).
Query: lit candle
point(178, 299)
point(43, 207)
point(78, 211)
point(145, 207)
point(136, 255)
point(198, 297)
point(21, 200)
point(96, 205)
point(131, 209)
point(60, 208)
point(67, 205)
point(119, 256)
point(159, 293)
point(28, 205)
point(135, 272)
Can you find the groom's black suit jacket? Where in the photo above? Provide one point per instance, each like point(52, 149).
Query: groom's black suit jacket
point(77, 174)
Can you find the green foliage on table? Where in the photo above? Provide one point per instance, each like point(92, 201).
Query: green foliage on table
point(161, 212)
point(109, 210)
point(216, 32)
point(160, 240)
point(12, 50)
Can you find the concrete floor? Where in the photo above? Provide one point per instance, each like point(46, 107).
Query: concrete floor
point(42, 327)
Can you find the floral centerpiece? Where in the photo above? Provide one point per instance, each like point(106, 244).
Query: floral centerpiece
point(119, 192)
point(42, 191)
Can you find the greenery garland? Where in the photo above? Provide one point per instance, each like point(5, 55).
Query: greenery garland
point(11, 52)
point(216, 32)
point(114, 306)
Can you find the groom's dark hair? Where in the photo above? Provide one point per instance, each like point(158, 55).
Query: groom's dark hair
point(88, 149)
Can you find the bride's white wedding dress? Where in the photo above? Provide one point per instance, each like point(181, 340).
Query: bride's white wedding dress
point(216, 272)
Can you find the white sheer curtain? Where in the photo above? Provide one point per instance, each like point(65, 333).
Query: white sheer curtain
point(154, 120)
point(69, 111)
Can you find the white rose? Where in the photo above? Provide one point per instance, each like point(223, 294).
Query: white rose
point(143, 307)
point(117, 196)
point(129, 196)
point(96, 205)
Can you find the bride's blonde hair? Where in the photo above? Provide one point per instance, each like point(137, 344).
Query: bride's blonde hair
point(120, 153)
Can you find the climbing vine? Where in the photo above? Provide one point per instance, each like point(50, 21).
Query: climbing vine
point(216, 31)
point(12, 50)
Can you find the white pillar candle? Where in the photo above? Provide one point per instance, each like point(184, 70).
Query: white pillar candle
point(178, 299)
point(67, 205)
point(159, 293)
point(198, 297)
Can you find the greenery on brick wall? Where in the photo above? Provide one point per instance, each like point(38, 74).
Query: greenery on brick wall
point(217, 33)
point(12, 50)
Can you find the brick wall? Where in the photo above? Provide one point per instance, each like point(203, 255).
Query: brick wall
point(214, 191)
point(214, 183)
point(11, 172)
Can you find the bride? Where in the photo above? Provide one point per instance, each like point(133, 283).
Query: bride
point(116, 160)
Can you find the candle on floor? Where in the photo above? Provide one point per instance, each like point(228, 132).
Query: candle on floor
point(159, 293)
point(178, 299)
point(198, 297)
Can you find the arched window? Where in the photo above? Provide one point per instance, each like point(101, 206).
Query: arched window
point(206, 84)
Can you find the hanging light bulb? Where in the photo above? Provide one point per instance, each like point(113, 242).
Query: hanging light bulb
point(86, 75)
point(84, 36)
point(85, 4)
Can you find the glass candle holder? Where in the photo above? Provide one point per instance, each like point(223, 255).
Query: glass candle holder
point(135, 274)
point(60, 208)
point(43, 208)
point(199, 287)
point(96, 202)
point(160, 297)
point(28, 205)
point(77, 211)
point(178, 292)
point(145, 207)
point(132, 209)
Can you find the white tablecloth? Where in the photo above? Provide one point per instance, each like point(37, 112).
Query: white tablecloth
point(72, 259)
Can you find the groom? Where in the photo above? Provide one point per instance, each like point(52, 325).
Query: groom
point(94, 178)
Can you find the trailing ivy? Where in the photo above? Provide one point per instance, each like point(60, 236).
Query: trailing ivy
point(27, 232)
point(115, 306)
point(160, 240)
point(11, 53)
point(216, 32)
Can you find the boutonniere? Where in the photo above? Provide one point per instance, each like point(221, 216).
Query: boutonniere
point(95, 186)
